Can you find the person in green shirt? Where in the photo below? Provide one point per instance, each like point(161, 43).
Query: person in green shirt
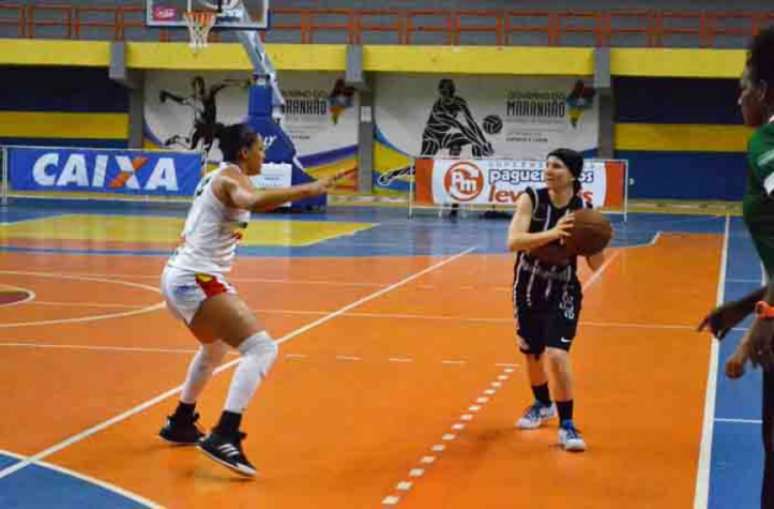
point(756, 101)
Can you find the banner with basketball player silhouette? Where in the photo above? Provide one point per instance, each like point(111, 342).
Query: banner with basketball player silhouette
point(486, 116)
point(477, 116)
point(186, 110)
point(501, 181)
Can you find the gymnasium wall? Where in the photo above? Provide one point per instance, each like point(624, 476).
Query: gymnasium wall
point(676, 117)
point(75, 106)
point(682, 136)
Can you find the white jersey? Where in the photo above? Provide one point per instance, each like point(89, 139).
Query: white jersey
point(211, 233)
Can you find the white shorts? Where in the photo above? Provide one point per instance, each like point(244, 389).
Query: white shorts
point(185, 290)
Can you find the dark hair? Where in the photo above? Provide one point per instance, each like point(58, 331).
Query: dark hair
point(574, 162)
point(760, 58)
point(448, 84)
point(233, 138)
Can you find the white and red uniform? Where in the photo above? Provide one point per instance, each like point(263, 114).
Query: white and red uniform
point(210, 236)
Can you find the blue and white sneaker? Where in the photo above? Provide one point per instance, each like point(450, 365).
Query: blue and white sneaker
point(535, 415)
point(570, 438)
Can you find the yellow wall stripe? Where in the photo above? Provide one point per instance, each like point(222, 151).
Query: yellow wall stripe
point(678, 63)
point(232, 57)
point(682, 137)
point(53, 52)
point(34, 124)
point(510, 60)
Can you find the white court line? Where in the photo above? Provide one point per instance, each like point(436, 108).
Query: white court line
point(99, 348)
point(753, 281)
point(171, 392)
point(82, 319)
point(392, 499)
point(87, 304)
point(701, 495)
point(323, 282)
point(235, 279)
point(650, 243)
point(597, 273)
point(410, 316)
point(91, 480)
point(738, 421)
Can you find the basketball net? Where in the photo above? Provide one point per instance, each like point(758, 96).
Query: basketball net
point(199, 25)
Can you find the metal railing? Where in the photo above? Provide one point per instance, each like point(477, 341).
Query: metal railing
point(648, 28)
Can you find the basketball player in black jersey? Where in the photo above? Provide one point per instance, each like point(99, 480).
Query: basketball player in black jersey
point(547, 296)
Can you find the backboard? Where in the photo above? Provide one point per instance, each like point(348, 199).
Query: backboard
point(231, 15)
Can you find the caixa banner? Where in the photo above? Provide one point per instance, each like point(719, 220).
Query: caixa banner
point(501, 181)
point(104, 171)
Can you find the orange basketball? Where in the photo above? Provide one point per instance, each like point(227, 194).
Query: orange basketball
point(590, 234)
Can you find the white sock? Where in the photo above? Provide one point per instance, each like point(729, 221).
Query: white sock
point(200, 370)
point(258, 354)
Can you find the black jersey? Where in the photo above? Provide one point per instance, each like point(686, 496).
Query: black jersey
point(538, 279)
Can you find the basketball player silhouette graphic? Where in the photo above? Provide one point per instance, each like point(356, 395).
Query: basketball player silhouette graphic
point(202, 100)
point(451, 126)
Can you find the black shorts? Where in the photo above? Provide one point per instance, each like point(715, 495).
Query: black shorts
point(546, 313)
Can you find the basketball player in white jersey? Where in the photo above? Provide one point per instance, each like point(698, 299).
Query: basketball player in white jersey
point(197, 292)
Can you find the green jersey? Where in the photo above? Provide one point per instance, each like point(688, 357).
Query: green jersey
point(758, 202)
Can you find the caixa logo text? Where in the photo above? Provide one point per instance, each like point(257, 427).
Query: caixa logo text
point(112, 171)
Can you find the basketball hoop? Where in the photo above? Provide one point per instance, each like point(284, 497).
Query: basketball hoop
point(199, 24)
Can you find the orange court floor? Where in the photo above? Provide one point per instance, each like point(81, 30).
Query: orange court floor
point(398, 381)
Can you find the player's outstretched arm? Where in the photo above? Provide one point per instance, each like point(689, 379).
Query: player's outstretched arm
point(241, 194)
point(723, 318)
point(761, 346)
point(164, 95)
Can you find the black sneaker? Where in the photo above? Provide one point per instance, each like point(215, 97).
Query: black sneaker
point(227, 450)
point(181, 430)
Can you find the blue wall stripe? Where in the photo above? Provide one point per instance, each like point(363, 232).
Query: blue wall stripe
point(676, 101)
point(74, 89)
point(329, 156)
point(686, 175)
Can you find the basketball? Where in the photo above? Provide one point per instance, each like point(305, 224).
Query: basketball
point(590, 234)
point(492, 124)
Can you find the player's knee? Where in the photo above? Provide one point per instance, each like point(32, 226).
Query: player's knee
point(557, 356)
point(261, 346)
point(213, 354)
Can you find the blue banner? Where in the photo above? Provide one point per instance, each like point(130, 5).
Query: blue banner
point(105, 171)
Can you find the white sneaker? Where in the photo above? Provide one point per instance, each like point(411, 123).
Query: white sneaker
point(535, 415)
point(570, 439)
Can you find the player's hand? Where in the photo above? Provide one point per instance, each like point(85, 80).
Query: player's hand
point(723, 318)
point(322, 185)
point(760, 348)
point(735, 365)
point(564, 226)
